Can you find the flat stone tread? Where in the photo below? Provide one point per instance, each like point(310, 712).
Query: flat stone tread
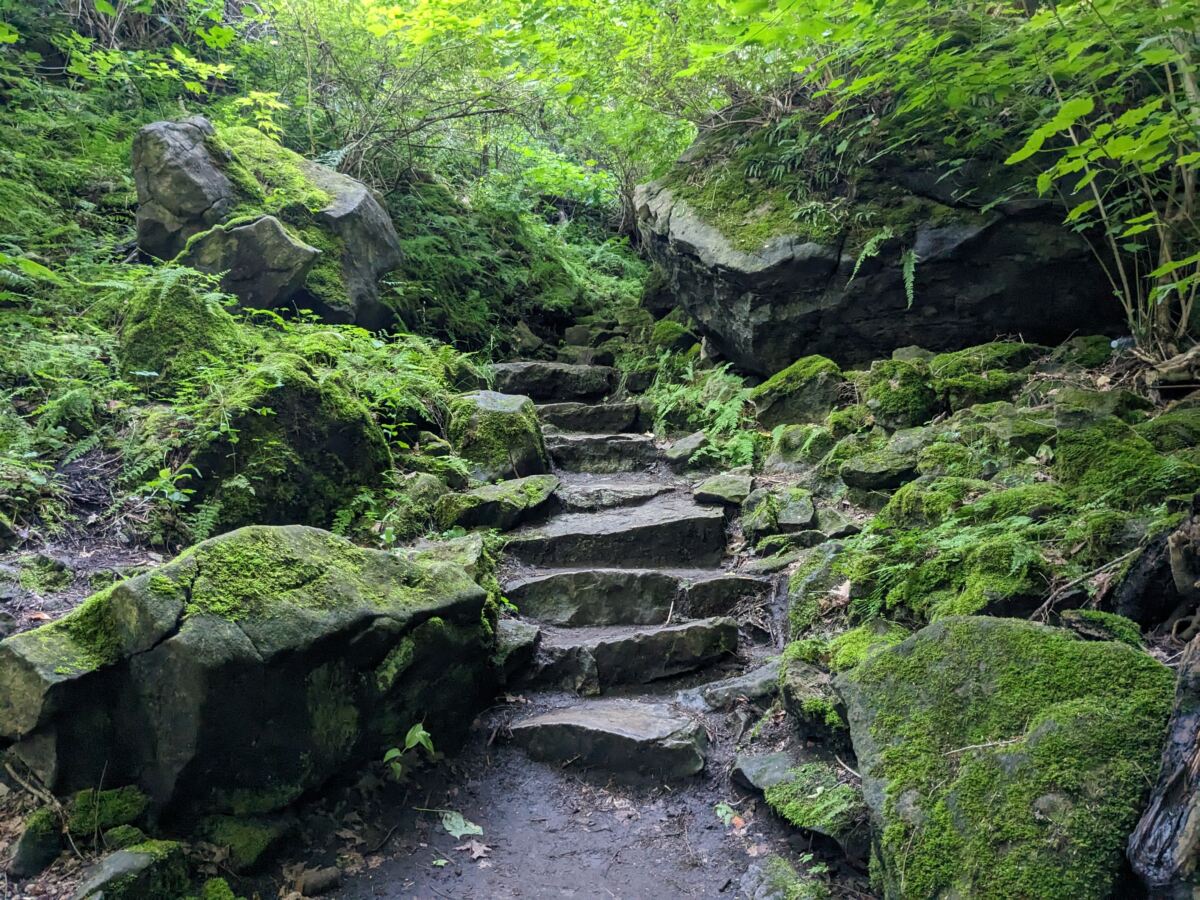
point(528, 575)
point(632, 719)
point(616, 438)
point(666, 509)
point(592, 635)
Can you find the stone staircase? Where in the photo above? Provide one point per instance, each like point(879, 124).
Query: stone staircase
point(624, 585)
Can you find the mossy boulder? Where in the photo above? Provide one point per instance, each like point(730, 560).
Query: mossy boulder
point(798, 447)
point(805, 391)
point(278, 228)
point(900, 393)
point(498, 435)
point(94, 811)
point(288, 448)
point(1177, 429)
point(819, 798)
point(40, 843)
point(766, 512)
point(247, 671)
point(152, 870)
point(502, 505)
point(982, 374)
point(171, 331)
point(247, 838)
point(1004, 759)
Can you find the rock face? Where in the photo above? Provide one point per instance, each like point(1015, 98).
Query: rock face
point(559, 382)
point(764, 308)
point(246, 672)
point(1004, 759)
point(280, 228)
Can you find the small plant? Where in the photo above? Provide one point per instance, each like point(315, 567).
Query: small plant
point(400, 760)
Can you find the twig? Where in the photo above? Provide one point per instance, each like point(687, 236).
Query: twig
point(1042, 611)
point(985, 745)
point(842, 763)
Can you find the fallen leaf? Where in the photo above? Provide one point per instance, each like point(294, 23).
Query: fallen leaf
point(456, 826)
point(440, 863)
point(477, 849)
point(756, 850)
point(737, 822)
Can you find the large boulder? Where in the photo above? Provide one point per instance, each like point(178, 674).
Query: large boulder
point(289, 449)
point(246, 672)
point(1005, 759)
point(1013, 270)
point(498, 434)
point(280, 229)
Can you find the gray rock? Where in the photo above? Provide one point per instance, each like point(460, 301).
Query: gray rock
point(758, 684)
point(766, 512)
point(554, 381)
point(258, 261)
point(182, 189)
point(725, 488)
point(679, 454)
point(717, 595)
point(516, 644)
point(602, 453)
point(498, 434)
point(601, 418)
point(40, 843)
point(154, 869)
point(502, 505)
point(878, 470)
point(588, 659)
point(667, 530)
point(759, 771)
point(816, 711)
point(574, 597)
point(622, 737)
point(591, 495)
point(356, 216)
point(764, 308)
point(246, 672)
point(577, 335)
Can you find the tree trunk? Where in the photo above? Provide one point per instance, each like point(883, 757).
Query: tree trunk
point(1165, 847)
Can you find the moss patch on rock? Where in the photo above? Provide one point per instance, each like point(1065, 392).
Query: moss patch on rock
point(1005, 759)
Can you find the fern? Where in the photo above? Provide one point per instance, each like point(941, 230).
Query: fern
point(203, 522)
point(908, 265)
point(872, 247)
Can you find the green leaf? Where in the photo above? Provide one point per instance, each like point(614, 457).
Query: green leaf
point(456, 826)
point(105, 8)
point(8, 34)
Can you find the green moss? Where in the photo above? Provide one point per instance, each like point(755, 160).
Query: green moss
point(671, 335)
point(42, 823)
point(982, 374)
point(85, 639)
point(929, 501)
point(1178, 429)
point(490, 431)
point(823, 710)
point(270, 175)
point(123, 836)
point(1036, 500)
point(783, 882)
point(173, 329)
point(1099, 535)
point(850, 648)
point(900, 393)
point(247, 839)
point(43, 575)
point(326, 279)
point(217, 889)
point(850, 420)
point(1087, 351)
point(796, 444)
point(796, 377)
point(1065, 730)
point(166, 879)
point(1111, 463)
point(949, 458)
point(333, 717)
point(92, 812)
point(813, 798)
point(399, 658)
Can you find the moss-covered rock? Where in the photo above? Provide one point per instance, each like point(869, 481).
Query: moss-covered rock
point(152, 870)
point(123, 836)
point(247, 838)
point(1178, 429)
point(172, 330)
point(93, 812)
point(803, 392)
point(900, 393)
point(502, 505)
point(797, 447)
point(982, 374)
point(40, 843)
point(247, 671)
point(498, 434)
point(286, 448)
point(766, 512)
point(1004, 759)
point(815, 797)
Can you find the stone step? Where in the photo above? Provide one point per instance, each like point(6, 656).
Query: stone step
point(590, 659)
point(625, 738)
point(602, 453)
point(554, 381)
point(758, 684)
point(605, 596)
point(581, 492)
point(668, 530)
point(584, 418)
